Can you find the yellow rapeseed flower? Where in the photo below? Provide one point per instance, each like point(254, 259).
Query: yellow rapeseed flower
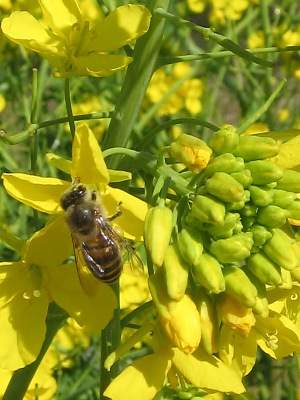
point(88, 165)
point(28, 287)
point(69, 42)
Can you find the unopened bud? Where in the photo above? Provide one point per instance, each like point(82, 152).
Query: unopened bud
point(183, 327)
point(256, 147)
point(239, 286)
point(191, 151)
point(232, 249)
point(157, 232)
point(264, 172)
point(224, 187)
point(224, 141)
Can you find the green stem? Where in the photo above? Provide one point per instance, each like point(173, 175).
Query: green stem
point(136, 81)
point(208, 33)
point(69, 107)
point(148, 163)
point(262, 109)
point(110, 341)
point(21, 378)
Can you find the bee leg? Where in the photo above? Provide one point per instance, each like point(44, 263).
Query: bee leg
point(117, 214)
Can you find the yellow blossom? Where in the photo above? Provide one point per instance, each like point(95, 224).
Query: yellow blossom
point(235, 315)
point(28, 287)
point(174, 99)
point(88, 164)
point(70, 43)
point(183, 328)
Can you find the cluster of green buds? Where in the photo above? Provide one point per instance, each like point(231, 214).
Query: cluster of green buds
point(233, 242)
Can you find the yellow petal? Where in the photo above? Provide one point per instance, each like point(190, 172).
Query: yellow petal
point(133, 212)
point(49, 246)
point(278, 336)
point(93, 313)
point(207, 371)
point(87, 161)
point(124, 24)
point(289, 154)
point(141, 380)
point(22, 28)
point(22, 321)
point(237, 351)
point(96, 64)
point(119, 176)
point(42, 194)
point(59, 162)
point(61, 16)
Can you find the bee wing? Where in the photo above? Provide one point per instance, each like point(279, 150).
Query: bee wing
point(132, 264)
point(87, 280)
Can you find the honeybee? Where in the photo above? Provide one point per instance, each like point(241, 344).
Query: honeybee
point(96, 242)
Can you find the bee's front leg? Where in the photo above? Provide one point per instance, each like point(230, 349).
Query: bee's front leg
point(117, 214)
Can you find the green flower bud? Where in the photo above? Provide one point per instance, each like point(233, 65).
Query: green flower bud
point(208, 209)
point(262, 305)
point(224, 187)
point(287, 282)
point(226, 228)
point(176, 272)
point(279, 249)
point(157, 232)
point(264, 269)
point(261, 195)
point(239, 286)
point(264, 172)
point(283, 199)
point(290, 181)
point(191, 151)
point(272, 216)
point(247, 222)
point(244, 177)
point(249, 210)
point(294, 209)
point(208, 272)
point(256, 148)
point(157, 286)
point(225, 163)
point(190, 244)
point(209, 320)
point(260, 234)
point(224, 141)
point(232, 249)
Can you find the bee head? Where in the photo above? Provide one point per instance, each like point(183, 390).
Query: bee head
point(73, 196)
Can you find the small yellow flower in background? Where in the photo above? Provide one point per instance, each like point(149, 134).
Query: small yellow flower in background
point(197, 6)
point(256, 39)
point(283, 115)
point(2, 102)
point(223, 10)
point(70, 44)
point(187, 96)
